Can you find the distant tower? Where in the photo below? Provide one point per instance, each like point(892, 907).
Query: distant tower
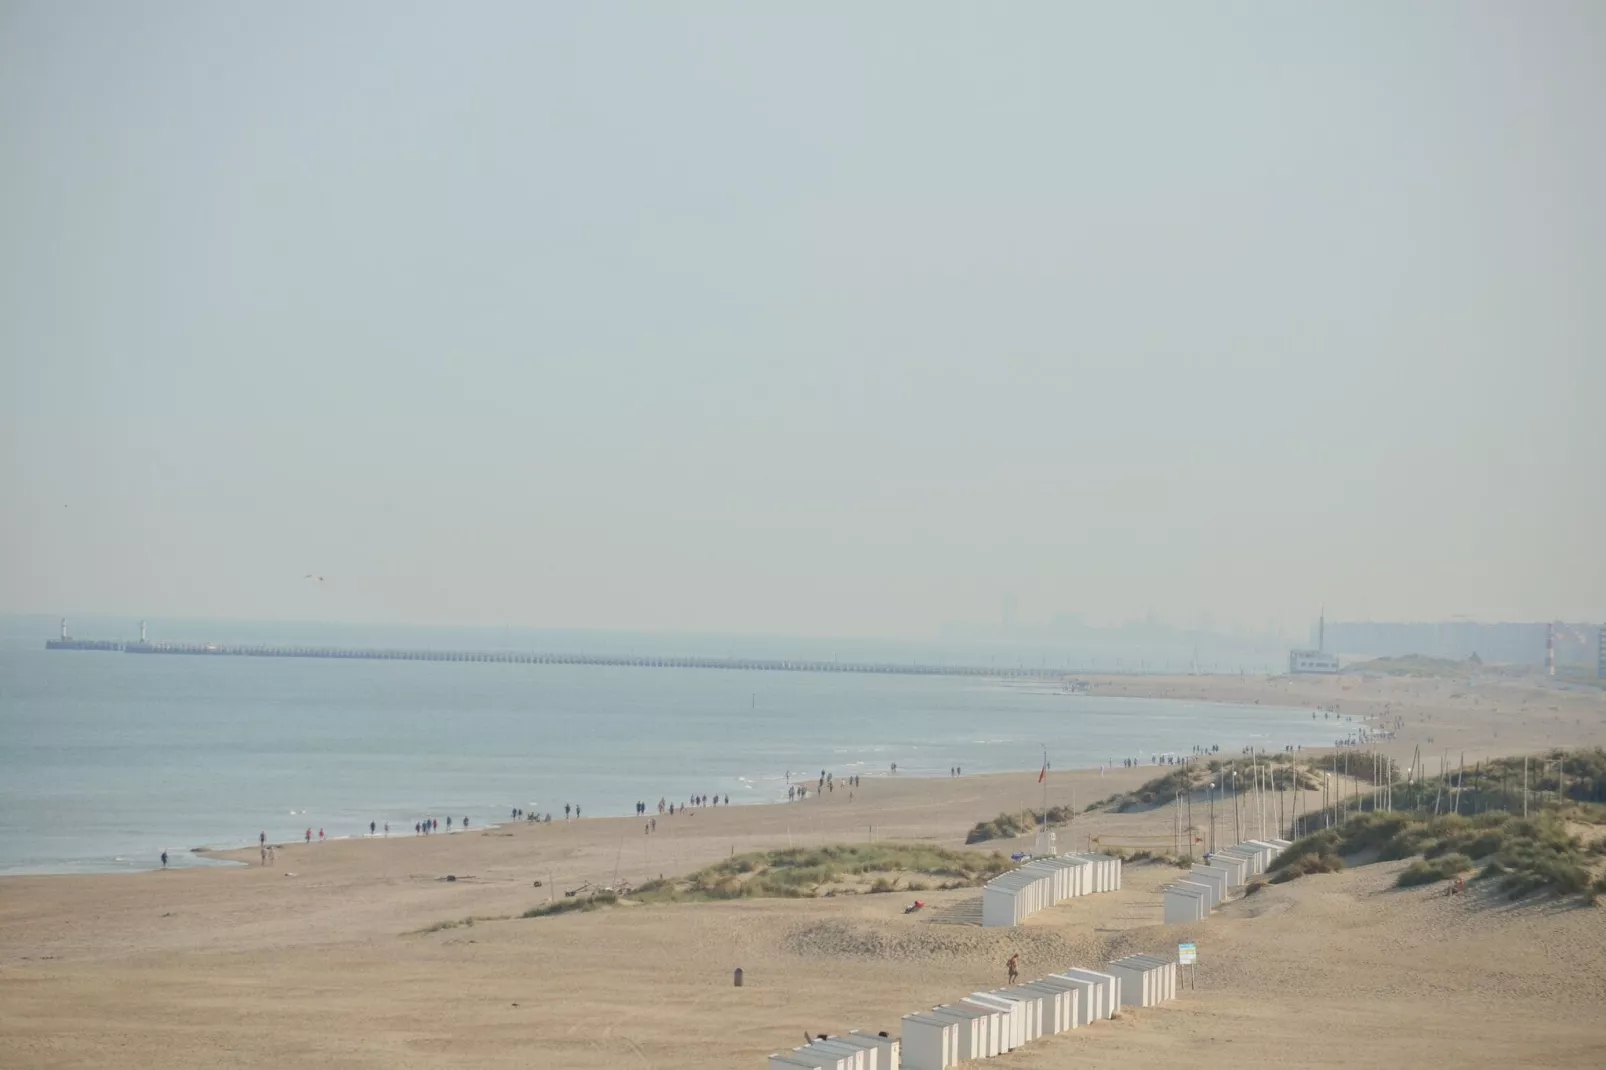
point(142, 631)
point(64, 627)
point(1321, 630)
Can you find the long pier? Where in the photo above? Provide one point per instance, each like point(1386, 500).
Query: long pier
point(513, 657)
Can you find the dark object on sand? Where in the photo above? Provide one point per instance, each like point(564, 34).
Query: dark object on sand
point(738, 977)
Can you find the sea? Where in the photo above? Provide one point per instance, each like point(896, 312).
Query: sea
point(108, 759)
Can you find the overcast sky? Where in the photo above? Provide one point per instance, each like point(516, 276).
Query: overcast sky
point(811, 318)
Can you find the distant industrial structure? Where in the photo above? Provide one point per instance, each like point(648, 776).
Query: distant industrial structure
point(1301, 662)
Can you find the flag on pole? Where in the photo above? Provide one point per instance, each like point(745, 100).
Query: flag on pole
point(1043, 775)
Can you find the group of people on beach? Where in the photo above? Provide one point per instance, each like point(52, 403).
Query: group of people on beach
point(429, 825)
point(824, 786)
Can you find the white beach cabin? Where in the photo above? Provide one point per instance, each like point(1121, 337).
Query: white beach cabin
point(929, 1043)
point(1107, 994)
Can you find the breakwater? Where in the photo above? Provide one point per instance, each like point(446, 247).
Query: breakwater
point(514, 657)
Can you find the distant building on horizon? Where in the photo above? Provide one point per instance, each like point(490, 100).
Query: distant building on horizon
point(1312, 661)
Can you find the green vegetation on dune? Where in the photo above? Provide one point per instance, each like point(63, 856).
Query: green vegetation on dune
point(572, 905)
point(1008, 826)
point(1279, 772)
point(805, 873)
point(1524, 854)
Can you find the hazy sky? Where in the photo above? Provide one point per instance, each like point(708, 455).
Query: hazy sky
point(809, 318)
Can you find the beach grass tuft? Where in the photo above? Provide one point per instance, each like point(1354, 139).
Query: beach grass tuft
point(572, 905)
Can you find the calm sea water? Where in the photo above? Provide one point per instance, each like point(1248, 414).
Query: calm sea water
point(108, 759)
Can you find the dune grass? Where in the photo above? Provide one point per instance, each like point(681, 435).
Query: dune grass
point(807, 872)
point(463, 923)
point(1524, 855)
point(1281, 772)
point(1007, 826)
point(572, 905)
point(1571, 783)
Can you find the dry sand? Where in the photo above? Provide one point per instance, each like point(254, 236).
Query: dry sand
point(319, 960)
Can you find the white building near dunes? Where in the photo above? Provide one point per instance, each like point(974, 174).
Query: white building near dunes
point(1086, 994)
point(1145, 979)
point(1058, 1006)
point(929, 1043)
point(978, 1034)
point(1186, 902)
point(1107, 990)
point(1216, 877)
point(813, 1058)
point(886, 1048)
point(1106, 871)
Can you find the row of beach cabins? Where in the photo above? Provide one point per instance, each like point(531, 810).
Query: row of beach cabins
point(1208, 885)
point(985, 1024)
point(1013, 897)
point(988, 1024)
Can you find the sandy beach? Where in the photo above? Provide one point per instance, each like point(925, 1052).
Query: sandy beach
point(323, 958)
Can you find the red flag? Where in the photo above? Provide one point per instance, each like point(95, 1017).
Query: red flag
point(1044, 774)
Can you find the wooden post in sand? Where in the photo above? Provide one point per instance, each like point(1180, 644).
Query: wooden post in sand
point(1176, 826)
point(1190, 817)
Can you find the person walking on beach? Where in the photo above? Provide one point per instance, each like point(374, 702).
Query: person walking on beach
point(372, 828)
point(309, 835)
point(565, 811)
point(164, 859)
point(1014, 969)
point(262, 839)
point(320, 835)
point(577, 811)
